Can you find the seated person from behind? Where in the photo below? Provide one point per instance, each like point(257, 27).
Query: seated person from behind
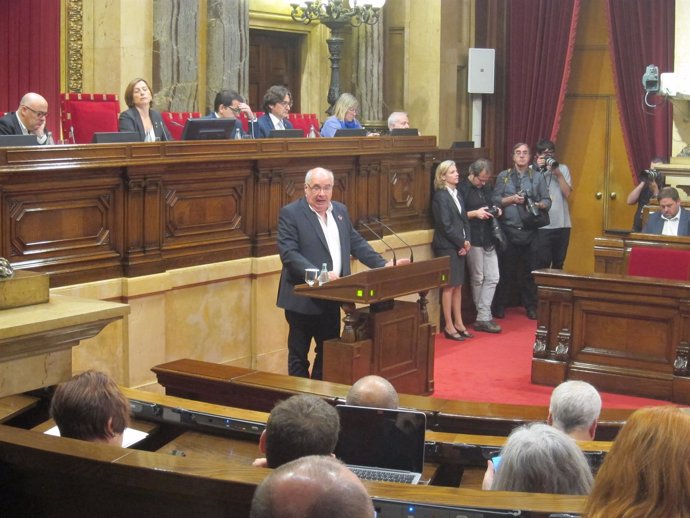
point(90, 407)
point(29, 119)
point(647, 471)
point(650, 183)
point(672, 219)
point(344, 116)
point(373, 391)
point(574, 409)
point(299, 426)
point(398, 120)
point(311, 487)
point(277, 104)
point(228, 104)
point(538, 458)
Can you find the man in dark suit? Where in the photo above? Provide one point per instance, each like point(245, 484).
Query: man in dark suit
point(672, 220)
point(277, 104)
point(228, 104)
point(314, 231)
point(29, 119)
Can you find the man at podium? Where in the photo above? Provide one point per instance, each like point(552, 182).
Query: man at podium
point(313, 231)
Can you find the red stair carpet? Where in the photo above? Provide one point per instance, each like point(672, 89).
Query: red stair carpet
point(495, 368)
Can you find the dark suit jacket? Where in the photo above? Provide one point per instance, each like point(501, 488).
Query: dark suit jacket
point(655, 224)
point(130, 120)
point(264, 126)
point(238, 123)
point(451, 228)
point(9, 124)
point(302, 244)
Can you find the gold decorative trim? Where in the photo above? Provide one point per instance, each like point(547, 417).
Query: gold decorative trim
point(75, 32)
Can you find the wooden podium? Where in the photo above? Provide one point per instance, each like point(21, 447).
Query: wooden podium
point(388, 337)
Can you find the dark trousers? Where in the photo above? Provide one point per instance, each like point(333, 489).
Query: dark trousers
point(302, 329)
point(552, 247)
point(515, 265)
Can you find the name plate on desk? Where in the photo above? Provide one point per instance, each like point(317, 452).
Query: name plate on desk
point(24, 289)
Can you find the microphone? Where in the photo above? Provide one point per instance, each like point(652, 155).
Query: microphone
point(395, 259)
point(71, 134)
point(175, 123)
point(376, 220)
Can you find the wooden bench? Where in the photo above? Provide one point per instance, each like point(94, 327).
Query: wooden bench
point(12, 406)
point(256, 390)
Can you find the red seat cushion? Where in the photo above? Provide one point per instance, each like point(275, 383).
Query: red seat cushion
point(85, 114)
point(662, 263)
point(175, 122)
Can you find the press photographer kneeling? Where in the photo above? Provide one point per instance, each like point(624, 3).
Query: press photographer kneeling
point(514, 187)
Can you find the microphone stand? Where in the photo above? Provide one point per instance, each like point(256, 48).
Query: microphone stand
point(376, 220)
point(395, 259)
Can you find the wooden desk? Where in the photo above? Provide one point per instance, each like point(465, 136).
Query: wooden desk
point(623, 334)
point(611, 252)
point(204, 381)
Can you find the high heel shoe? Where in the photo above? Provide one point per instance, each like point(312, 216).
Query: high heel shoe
point(457, 336)
point(464, 333)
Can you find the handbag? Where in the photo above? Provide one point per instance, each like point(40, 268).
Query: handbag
point(532, 222)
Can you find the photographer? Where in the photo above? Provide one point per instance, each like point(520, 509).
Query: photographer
point(651, 182)
point(515, 187)
point(485, 235)
point(554, 237)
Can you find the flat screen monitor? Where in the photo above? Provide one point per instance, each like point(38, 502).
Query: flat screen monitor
point(286, 133)
point(111, 137)
point(18, 140)
point(208, 129)
point(404, 132)
point(360, 132)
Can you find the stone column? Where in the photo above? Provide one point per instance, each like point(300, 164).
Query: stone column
point(227, 65)
point(369, 70)
point(176, 55)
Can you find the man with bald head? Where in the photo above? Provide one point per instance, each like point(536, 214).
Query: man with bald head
point(373, 391)
point(29, 119)
point(315, 231)
point(312, 487)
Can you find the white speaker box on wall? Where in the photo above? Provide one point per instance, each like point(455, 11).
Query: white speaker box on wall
point(480, 71)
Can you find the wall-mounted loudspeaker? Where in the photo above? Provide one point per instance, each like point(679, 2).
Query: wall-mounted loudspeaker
point(480, 71)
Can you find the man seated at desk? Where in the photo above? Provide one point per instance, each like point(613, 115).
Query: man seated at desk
point(228, 104)
point(29, 119)
point(672, 219)
point(373, 391)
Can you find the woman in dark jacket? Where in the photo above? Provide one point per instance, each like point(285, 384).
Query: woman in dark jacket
point(140, 118)
point(451, 238)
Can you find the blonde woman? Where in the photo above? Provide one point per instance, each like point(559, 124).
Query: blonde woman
point(344, 116)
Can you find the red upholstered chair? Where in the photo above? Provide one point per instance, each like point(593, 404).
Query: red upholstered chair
point(662, 263)
point(84, 114)
point(175, 122)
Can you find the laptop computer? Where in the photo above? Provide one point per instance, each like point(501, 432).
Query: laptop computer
point(112, 137)
point(18, 140)
point(381, 444)
point(286, 133)
point(356, 132)
point(404, 132)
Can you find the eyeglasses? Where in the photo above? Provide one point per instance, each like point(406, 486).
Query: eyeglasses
point(317, 188)
point(38, 114)
point(353, 109)
point(287, 104)
point(233, 109)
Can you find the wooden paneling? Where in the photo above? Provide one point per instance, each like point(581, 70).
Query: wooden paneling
point(83, 213)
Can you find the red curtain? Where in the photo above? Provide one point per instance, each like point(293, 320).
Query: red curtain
point(641, 33)
point(30, 54)
point(541, 38)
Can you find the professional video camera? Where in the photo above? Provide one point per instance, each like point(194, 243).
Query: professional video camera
point(649, 174)
point(530, 203)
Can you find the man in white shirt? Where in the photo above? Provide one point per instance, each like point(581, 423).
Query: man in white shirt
point(672, 219)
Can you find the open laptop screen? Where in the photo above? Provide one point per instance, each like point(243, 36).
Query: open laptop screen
point(379, 438)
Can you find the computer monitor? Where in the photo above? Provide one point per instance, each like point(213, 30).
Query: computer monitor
point(404, 132)
point(112, 137)
point(208, 129)
point(286, 133)
point(359, 132)
point(18, 140)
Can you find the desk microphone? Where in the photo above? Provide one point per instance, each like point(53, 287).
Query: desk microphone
point(376, 220)
point(395, 260)
point(71, 134)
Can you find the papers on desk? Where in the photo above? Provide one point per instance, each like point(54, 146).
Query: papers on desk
point(129, 437)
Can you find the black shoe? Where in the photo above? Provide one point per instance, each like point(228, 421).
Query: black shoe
point(498, 312)
point(487, 326)
point(457, 336)
point(531, 313)
point(464, 333)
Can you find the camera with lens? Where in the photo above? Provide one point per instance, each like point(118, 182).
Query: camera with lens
point(496, 230)
point(530, 203)
point(649, 174)
point(493, 210)
point(551, 162)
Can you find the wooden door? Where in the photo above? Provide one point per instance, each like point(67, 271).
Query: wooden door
point(273, 60)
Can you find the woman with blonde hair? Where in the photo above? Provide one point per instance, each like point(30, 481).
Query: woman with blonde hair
point(452, 239)
point(646, 474)
point(344, 116)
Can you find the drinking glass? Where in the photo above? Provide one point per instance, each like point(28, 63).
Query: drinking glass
point(310, 276)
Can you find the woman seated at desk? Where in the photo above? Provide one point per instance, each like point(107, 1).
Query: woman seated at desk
point(344, 116)
point(140, 117)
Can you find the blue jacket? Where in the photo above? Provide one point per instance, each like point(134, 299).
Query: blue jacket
point(655, 223)
point(264, 126)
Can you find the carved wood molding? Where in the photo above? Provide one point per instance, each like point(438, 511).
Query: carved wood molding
point(75, 33)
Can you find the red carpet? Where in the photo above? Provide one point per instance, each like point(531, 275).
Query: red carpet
point(495, 368)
